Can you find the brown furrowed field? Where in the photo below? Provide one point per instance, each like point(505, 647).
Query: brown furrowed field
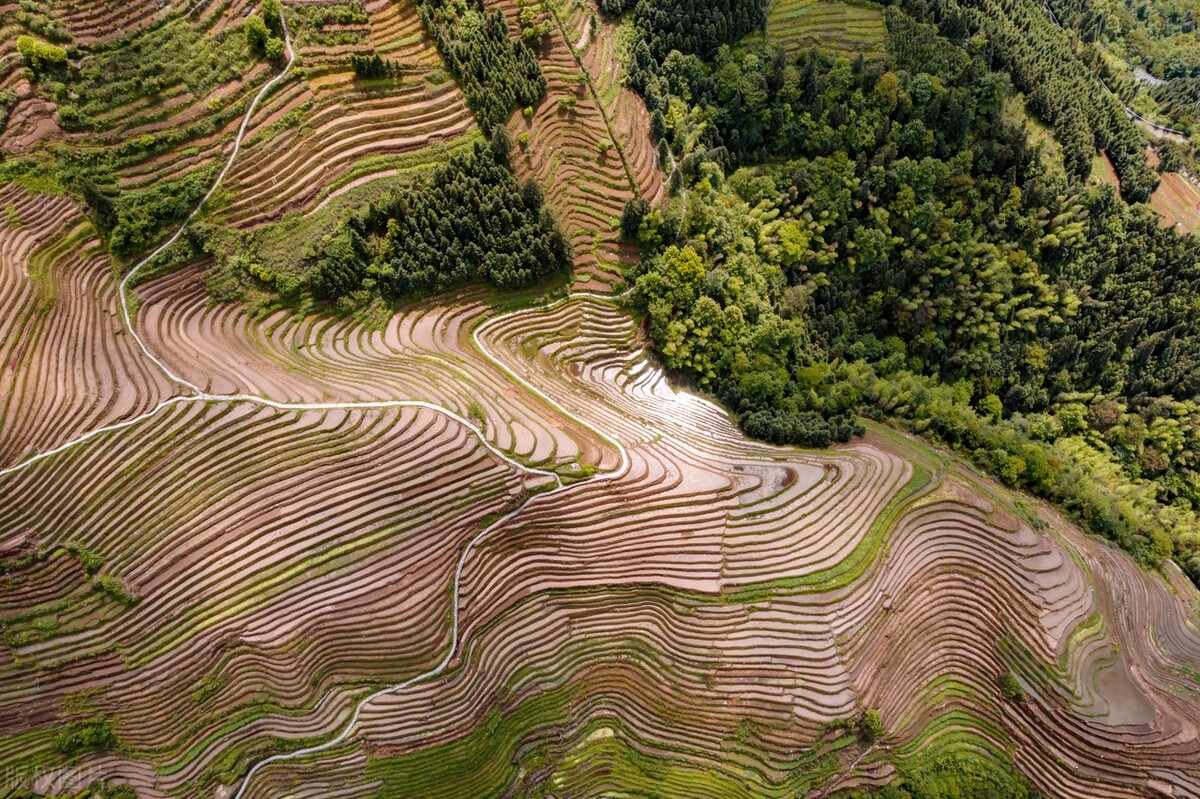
point(588, 141)
point(475, 551)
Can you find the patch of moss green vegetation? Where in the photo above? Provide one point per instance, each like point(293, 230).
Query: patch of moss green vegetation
point(69, 241)
point(1010, 687)
point(844, 27)
point(233, 762)
point(1061, 676)
point(89, 735)
point(333, 25)
point(209, 688)
point(90, 561)
point(114, 588)
point(135, 220)
point(135, 75)
point(534, 750)
point(954, 764)
point(37, 174)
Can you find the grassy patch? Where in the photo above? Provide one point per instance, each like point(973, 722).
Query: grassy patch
point(841, 27)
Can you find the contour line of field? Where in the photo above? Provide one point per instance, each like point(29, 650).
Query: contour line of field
point(198, 394)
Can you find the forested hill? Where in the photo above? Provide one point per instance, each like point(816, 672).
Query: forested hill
point(885, 237)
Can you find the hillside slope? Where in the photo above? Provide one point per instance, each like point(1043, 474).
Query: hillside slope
point(478, 545)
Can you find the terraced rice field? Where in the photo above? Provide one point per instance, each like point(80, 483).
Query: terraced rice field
point(313, 133)
point(840, 27)
point(476, 552)
point(1177, 198)
point(285, 563)
point(1177, 201)
point(588, 142)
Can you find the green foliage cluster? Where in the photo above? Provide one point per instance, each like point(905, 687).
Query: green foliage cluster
point(1010, 687)
point(958, 774)
point(916, 259)
point(719, 322)
point(8, 99)
point(631, 217)
point(86, 735)
point(870, 725)
point(329, 25)
point(1179, 100)
point(468, 220)
point(35, 17)
point(1021, 38)
point(40, 54)
point(614, 8)
point(496, 73)
point(373, 66)
point(133, 221)
point(90, 561)
point(536, 21)
point(1158, 35)
point(114, 588)
point(260, 38)
point(692, 26)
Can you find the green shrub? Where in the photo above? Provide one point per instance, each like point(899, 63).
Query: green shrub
point(256, 32)
point(90, 561)
point(39, 54)
point(631, 218)
point(870, 725)
point(90, 735)
point(1010, 687)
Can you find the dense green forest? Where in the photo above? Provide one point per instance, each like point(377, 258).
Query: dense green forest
point(468, 220)
point(1159, 35)
point(695, 26)
point(884, 239)
point(497, 74)
point(1021, 39)
point(1112, 36)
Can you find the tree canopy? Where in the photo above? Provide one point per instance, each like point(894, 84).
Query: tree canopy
point(467, 221)
point(496, 73)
